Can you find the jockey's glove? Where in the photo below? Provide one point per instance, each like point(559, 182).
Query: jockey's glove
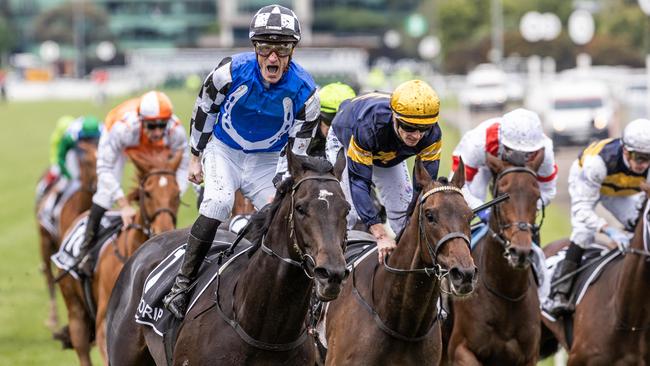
point(619, 236)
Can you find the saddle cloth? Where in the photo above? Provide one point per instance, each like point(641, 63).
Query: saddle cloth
point(49, 212)
point(68, 255)
point(594, 260)
point(151, 311)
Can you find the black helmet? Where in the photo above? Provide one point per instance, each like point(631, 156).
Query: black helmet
point(275, 23)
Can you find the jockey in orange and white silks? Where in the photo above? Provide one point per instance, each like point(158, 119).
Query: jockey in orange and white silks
point(609, 172)
point(146, 122)
point(516, 137)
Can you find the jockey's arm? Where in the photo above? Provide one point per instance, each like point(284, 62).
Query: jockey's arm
point(547, 175)
point(65, 144)
point(111, 146)
point(585, 194)
point(178, 142)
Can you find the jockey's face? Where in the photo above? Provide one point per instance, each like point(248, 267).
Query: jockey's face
point(638, 162)
point(154, 129)
point(273, 59)
point(409, 134)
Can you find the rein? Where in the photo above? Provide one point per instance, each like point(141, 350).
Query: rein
point(146, 219)
point(304, 264)
point(435, 270)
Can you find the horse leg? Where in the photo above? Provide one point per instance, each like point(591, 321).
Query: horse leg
point(78, 320)
point(47, 249)
point(464, 357)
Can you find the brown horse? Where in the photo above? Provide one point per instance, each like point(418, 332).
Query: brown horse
point(612, 321)
point(158, 197)
point(77, 203)
point(387, 315)
point(262, 298)
point(499, 325)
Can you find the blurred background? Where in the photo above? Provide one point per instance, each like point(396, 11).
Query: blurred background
point(582, 65)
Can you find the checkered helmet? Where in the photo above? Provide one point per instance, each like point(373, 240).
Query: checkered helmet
point(275, 23)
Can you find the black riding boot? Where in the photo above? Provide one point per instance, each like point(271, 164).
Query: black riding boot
point(90, 238)
point(198, 245)
point(561, 291)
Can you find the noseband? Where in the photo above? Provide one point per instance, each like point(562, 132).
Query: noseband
point(307, 261)
point(436, 269)
point(146, 219)
point(519, 225)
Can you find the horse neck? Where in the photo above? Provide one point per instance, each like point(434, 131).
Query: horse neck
point(632, 306)
point(408, 302)
point(272, 297)
point(495, 269)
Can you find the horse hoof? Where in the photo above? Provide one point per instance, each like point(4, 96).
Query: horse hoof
point(63, 335)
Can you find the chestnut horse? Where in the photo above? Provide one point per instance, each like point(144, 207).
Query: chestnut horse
point(612, 321)
point(77, 203)
point(262, 299)
point(158, 197)
point(500, 324)
point(387, 314)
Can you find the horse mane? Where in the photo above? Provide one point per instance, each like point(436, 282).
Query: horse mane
point(260, 222)
point(414, 202)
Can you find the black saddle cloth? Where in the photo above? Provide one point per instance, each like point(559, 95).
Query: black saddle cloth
point(594, 261)
point(159, 282)
point(358, 243)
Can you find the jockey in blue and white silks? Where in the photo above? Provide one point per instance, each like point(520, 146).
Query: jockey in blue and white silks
point(250, 107)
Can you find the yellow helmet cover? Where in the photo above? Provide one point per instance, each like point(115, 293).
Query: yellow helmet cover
point(415, 102)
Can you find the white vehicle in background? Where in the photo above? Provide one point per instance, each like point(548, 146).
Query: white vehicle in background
point(486, 89)
point(578, 111)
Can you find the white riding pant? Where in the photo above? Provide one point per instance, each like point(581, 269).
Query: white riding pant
point(393, 185)
point(225, 170)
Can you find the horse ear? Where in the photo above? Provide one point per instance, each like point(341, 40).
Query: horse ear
point(175, 160)
point(496, 165)
point(537, 160)
point(422, 177)
point(341, 161)
point(293, 163)
point(458, 179)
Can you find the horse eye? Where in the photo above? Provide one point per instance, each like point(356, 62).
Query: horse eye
point(147, 194)
point(430, 217)
point(301, 210)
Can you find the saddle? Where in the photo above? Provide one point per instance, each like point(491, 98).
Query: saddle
point(67, 257)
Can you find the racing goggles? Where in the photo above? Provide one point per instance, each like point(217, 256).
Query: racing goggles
point(517, 158)
point(639, 157)
point(155, 124)
point(281, 49)
point(410, 128)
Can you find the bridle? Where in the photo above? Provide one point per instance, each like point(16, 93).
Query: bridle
point(435, 270)
point(146, 219)
point(306, 263)
point(519, 225)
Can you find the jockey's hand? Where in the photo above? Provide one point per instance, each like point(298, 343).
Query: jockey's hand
point(195, 170)
point(385, 244)
point(127, 212)
point(618, 236)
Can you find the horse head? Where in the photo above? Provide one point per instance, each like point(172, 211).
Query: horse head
point(317, 221)
point(87, 156)
point(158, 194)
point(444, 225)
point(513, 220)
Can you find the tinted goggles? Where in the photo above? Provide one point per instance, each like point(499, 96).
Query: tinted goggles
point(639, 157)
point(280, 49)
point(409, 128)
point(155, 124)
point(517, 158)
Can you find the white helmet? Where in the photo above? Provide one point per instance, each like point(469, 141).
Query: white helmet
point(636, 136)
point(521, 130)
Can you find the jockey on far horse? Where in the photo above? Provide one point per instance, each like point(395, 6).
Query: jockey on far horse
point(250, 106)
point(145, 123)
point(609, 171)
point(380, 131)
point(85, 128)
point(53, 172)
point(331, 96)
point(517, 138)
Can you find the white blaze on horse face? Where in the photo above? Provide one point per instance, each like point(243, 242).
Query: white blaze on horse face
point(323, 194)
point(162, 182)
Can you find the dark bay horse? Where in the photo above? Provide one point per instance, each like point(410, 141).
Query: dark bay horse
point(264, 295)
point(500, 323)
point(612, 321)
point(387, 314)
point(77, 203)
point(158, 197)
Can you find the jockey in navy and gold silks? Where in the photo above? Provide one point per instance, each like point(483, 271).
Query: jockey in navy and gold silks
point(609, 172)
point(379, 132)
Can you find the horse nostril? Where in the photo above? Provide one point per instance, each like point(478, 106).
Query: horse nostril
point(331, 275)
point(455, 274)
point(321, 273)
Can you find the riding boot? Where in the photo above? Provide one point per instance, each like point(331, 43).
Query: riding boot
point(198, 245)
point(561, 291)
point(87, 263)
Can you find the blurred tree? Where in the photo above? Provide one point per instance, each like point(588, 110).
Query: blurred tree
point(6, 39)
point(57, 24)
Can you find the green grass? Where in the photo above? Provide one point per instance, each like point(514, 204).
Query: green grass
point(24, 144)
